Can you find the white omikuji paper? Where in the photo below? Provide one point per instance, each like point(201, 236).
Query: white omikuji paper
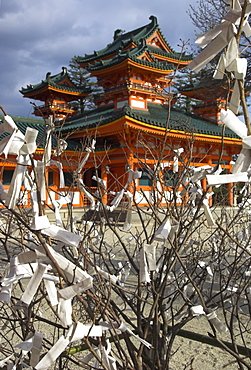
point(222, 34)
point(51, 291)
point(47, 150)
point(64, 310)
point(40, 169)
point(61, 173)
point(36, 348)
point(208, 213)
point(243, 161)
point(220, 69)
point(147, 262)
point(72, 290)
point(8, 125)
point(246, 142)
point(163, 230)
point(3, 362)
point(62, 235)
point(227, 179)
point(7, 282)
point(112, 278)
point(103, 353)
point(61, 147)
point(133, 175)
point(233, 123)
point(34, 283)
point(29, 146)
point(16, 181)
point(81, 187)
point(78, 331)
point(212, 317)
point(12, 144)
point(53, 353)
point(197, 310)
point(176, 159)
point(234, 102)
point(40, 222)
point(72, 272)
point(122, 327)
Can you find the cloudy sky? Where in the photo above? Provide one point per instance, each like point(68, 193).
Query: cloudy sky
point(37, 37)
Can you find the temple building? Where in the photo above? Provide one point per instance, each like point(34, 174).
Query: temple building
point(57, 92)
point(134, 124)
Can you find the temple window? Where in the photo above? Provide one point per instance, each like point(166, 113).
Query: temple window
point(145, 179)
point(7, 176)
point(50, 178)
point(68, 178)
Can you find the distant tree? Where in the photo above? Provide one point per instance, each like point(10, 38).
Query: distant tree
point(205, 15)
point(81, 77)
point(186, 79)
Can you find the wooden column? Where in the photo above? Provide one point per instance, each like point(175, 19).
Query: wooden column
point(105, 178)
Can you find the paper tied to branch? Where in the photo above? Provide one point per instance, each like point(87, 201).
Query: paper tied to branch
point(243, 161)
point(62, 235)
point(213, 42)
point(72, 272)
point(176, 159)
point(197, 310)
point(8, 125)
point(81, 187)
point(85, 159)
point(233, 123)
point(147, 262)
point(112, 278)
point(128, 221)
point(212, 317)
point(123, 328)
point(163, 231)
point(34, 283)
point(133, 175)
point(33, 345)
point(74, 289)
point(7, 282)
point(61, 147)
point(78, 331)
point(40, 222)
point(227, 179)
point(29, 146)
point(103, 353)
point(207, 210)
point(53, 353)
point(16, 182)
point(64, 310)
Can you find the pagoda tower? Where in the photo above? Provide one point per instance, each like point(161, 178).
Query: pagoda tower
point(135, 68)
point(57, 92)
point(134, 125)
point(212, 96)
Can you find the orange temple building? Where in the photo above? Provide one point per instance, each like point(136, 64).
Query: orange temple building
point(134, 124)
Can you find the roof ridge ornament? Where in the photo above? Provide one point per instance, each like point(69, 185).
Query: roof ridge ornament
point(117, 33)
point(48, 76)
point(154, 20)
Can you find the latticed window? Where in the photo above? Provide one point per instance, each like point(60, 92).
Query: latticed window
point(145, 179)
point(7, 175)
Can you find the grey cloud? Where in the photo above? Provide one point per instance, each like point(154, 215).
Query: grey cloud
point(41, 36)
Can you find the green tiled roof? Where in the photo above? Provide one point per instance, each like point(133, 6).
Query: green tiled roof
point(132, 55)
point(123, 40)
point(37, 124)
point(156, 115)
point(56, 81)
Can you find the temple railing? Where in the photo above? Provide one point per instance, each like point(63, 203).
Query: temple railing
point(136, 86)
